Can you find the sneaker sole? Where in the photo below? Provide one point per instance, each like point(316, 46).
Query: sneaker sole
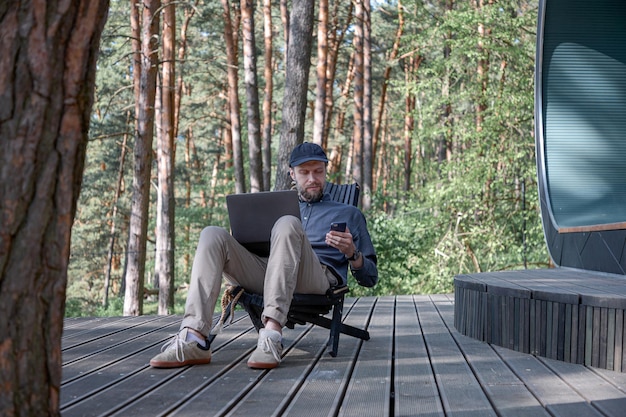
point(159, 364)
point(262, 365)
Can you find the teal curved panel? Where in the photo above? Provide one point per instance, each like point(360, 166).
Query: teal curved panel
point(580, 129)
point(584, 108)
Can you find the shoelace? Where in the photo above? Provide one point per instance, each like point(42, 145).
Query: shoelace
point(269, 346)
point(175, 343)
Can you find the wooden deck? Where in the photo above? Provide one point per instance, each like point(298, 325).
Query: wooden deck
point(415, 364)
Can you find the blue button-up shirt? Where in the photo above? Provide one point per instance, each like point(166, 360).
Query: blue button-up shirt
point(316, 220)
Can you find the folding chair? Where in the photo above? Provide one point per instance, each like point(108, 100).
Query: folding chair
point(305, 308)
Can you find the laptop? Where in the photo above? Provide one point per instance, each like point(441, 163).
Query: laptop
point(252, 216)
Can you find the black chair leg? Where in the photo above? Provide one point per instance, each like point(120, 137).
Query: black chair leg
point(335, 329)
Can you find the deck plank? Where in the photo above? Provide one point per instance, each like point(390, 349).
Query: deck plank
point(551, 390)
point(460, 391)
point(505, 390)
point(415, 387)
point(323, 390)
point(369, 390)
point(601, 392)
point(415, 364)
point(274, 393)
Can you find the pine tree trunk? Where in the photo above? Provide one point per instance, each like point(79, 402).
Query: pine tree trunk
point(233, 99)
point(267, 101)
point(320, 90)
point(252, 95)
point(133, 297)
point(47, 80)
point(366, 187)
point(164, 261)
point(357, 135)
point(296, 86)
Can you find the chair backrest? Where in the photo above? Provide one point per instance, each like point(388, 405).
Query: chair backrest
point(343, 193)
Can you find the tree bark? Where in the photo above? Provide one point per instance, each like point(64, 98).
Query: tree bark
point(367, 176)
point(165, 239)
point(320, 90)
point(296, 86)
point(357, 135)
point(233, 99)
point(133, 297)
point(47, 77)
point(252, 96)
point(267, 101)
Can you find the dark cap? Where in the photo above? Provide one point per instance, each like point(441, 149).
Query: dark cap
point(306, 152)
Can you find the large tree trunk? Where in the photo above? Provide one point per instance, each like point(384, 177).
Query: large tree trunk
point(367, 176)
point(252, 96)
point(164, 261)
point(133, 297)
point(233, 99)
point(47, 76)
point(357, 135)
point(296, 86)
point(267, 101)
point(320, 90)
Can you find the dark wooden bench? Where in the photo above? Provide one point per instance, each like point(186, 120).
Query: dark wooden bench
point(306, 308)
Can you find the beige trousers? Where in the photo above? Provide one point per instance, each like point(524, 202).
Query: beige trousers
point(292, 267)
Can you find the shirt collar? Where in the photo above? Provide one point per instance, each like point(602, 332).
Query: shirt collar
point(325, 197)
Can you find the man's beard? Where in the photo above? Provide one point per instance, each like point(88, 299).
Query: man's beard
point(308, 195)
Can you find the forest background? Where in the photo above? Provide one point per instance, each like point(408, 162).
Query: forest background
point(434, 99)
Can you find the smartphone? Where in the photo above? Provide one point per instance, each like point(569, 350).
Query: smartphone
point(338, 227)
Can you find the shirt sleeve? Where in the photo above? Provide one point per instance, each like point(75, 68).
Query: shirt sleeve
point(367, 275)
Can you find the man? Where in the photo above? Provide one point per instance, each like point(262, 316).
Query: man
point(305, 257)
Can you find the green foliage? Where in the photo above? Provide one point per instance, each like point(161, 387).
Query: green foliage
point(473, 203)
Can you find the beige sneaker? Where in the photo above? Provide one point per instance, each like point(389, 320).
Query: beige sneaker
point(269, 349)
point(179, 352)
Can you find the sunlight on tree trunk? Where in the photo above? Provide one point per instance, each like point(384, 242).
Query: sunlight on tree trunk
point(165, 242)
point(133, 297)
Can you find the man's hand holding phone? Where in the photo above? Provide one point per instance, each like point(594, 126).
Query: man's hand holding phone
point(340, 237)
